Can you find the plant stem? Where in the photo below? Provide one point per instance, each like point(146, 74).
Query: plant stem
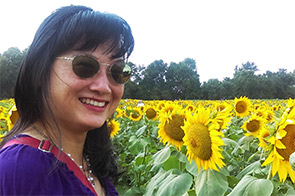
point(269, 173)
point(180, 166)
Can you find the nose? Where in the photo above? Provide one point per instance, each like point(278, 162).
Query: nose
point(101, 82)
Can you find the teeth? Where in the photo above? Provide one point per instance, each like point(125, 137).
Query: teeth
point(92, 102)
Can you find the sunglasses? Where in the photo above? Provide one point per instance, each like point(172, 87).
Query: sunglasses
point(87, 67)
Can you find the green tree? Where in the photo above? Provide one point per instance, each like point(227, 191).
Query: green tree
point(245, 81)
point(153, 84)
point(227, 89)
point(211, 90)
point(9, 65)
point(281, 83)
point(183, 81)
point(132, 88)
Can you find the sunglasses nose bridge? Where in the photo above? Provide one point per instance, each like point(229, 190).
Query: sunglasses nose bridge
point(107, 71)
point(101, 82)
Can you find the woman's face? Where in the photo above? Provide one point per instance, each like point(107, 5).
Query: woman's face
point(83, 103)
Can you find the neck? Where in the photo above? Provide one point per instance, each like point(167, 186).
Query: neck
point(73, 143)
point(70, 141)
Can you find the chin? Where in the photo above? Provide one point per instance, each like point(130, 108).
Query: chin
point(94, 125)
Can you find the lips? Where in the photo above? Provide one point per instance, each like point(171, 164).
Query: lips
point(93, 102)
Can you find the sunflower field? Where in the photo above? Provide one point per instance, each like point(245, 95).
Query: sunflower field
point(198, 147)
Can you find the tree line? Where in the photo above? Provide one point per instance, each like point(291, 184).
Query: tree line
point(160, 81)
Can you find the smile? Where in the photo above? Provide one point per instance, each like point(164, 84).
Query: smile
point(93, 102)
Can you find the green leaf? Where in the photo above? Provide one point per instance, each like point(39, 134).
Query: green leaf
point(241, 187)
point(161, 156)
point(259, 187)
point(249, 169)
point(291, 191)
point(135, 145)
point(211, 182)
point(232, 181)
point(180, 156)
point(171, 163)
point(230, 142)
point(141, 130)
point(175, 185)
point(192, 168)
point(167, 183)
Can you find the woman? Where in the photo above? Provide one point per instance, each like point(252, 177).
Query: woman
point(69, 84)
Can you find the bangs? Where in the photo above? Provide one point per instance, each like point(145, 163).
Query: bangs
point(88, 30)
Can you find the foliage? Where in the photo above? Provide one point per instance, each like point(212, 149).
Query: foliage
point(160, 81)
point(9, 64)
point(149, 167)
point(152, 168)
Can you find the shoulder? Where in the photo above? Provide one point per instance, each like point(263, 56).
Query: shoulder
point(23, 168)
point(19, 158)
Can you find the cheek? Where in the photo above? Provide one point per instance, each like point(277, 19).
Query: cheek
point(120, 92)
point(117, 94)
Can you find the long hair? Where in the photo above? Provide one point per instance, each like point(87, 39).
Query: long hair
point(68, 28)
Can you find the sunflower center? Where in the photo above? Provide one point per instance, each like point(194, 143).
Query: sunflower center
point(289, 142)
point(241, 107)
point(253, 125)
point(221, 107)
point(173, 127)
point(135, 115)
point(200, 141)
point(150, 113)
point(269, 117)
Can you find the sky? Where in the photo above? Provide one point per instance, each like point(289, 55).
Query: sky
point(217, 34)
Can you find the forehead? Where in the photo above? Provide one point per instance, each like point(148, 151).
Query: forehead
point(98, 54)
point(108, 48)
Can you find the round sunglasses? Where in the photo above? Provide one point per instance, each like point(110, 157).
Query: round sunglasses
point(86, 67)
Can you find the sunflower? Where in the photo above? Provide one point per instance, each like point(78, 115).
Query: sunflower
point(270, 115)
point(168, 107)
point(223, 115)
point(170, 130)
point(291, 103)
point(113, 127)
point(160, 105)
point(223, 107)
point(203, 140)
point(262, 137)
point(151, 113)
point(283, 142)
point(190, 108)
point(136, 114)
point(254, 125)
point(261, 111)
point(242, 106)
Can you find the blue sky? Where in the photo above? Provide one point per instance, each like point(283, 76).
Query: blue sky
point(218, 34)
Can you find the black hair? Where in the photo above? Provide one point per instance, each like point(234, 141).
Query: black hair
point(69, 28)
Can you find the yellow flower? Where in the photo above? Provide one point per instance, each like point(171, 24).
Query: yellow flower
point(262, 137)
point(242, 106)
point(151, 113)
point(190, 108)
point(136, 114)
point(203, 140)
point(223, 115)
point(113, 127)
point(283, 146)
point(160, 105)
point(254, 125)
point(13, 117)
point(170, 130)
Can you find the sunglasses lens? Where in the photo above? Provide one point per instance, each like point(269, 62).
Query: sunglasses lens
point(121, 72)
point(85, 67)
